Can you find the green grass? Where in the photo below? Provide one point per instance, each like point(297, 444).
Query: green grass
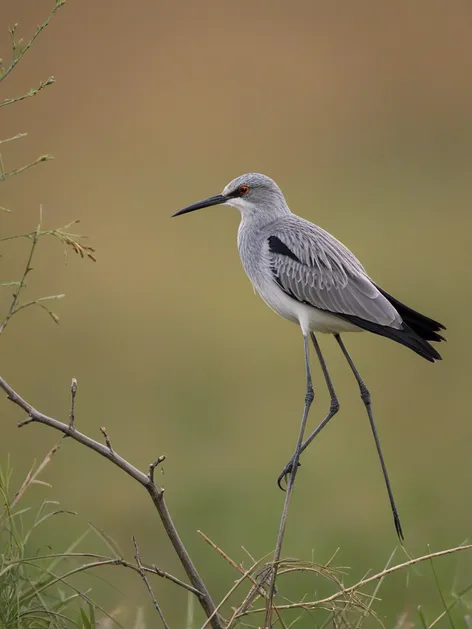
point(33, 592)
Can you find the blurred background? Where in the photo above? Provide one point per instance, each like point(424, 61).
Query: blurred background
point(362, 112)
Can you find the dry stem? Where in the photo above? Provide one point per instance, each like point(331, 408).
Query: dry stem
point(156, 493)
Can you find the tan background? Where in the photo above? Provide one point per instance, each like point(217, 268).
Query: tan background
point(362, 112)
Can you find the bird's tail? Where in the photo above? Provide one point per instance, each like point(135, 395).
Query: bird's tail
point(411, 339)
point(417, 329)
point(424, 327)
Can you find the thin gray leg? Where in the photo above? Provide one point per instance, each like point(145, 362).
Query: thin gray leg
point(309, 396)
point(333, 409)
point(366, 398)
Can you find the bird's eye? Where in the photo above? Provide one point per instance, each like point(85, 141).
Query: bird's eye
point(243, 190)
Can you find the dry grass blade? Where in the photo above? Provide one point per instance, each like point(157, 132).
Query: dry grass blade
point(246, 574)
point(32, 477)
point(354, 589)
point(376, 590)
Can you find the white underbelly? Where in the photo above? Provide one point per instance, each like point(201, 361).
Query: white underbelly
point(309, 318)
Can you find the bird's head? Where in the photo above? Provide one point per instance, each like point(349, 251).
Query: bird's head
point(252, 194)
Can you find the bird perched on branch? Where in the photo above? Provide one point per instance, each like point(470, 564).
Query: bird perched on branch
point(308, 277)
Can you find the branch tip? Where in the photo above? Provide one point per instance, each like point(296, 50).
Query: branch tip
point(103, 430)
point(24, 422)
point(152, 467)
point(73, 392)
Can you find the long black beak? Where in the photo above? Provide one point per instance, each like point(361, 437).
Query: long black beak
point(205, 203)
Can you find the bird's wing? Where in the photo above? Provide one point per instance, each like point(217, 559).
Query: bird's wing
point(313, 267)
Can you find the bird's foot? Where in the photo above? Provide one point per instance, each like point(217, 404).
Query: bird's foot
point(286, 472)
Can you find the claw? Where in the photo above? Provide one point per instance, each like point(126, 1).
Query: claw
point(285, 474)
point(281, 478)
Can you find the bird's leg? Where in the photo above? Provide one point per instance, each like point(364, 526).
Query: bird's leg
point(309, 397)
point(333, 409)
point(291, 466)
point(366, 398)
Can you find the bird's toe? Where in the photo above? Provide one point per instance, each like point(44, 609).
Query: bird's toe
point(284, 476)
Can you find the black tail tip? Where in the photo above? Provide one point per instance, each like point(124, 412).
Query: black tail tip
point(398, 527)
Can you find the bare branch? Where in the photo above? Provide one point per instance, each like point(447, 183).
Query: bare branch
point(156, 493)
point(148, 585)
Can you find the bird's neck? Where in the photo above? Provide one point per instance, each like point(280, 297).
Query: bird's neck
point(258, 218)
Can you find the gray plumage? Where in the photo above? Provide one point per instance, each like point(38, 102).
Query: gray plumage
point(315, 281)
point(310, 278)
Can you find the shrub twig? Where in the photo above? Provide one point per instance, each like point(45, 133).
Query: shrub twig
point(156, 493)
point(137, 556)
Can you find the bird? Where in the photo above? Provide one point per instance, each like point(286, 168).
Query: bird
point(310, 278)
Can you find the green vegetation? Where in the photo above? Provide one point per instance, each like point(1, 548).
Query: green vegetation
point(34, 591)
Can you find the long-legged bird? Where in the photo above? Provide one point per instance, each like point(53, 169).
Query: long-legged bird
point(308, 277)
